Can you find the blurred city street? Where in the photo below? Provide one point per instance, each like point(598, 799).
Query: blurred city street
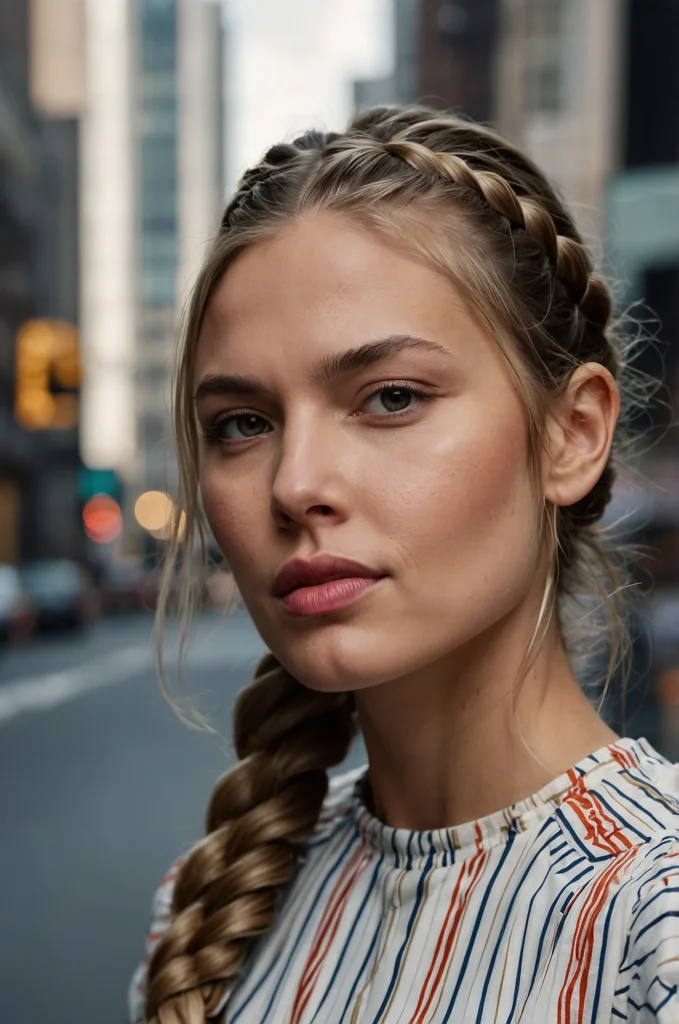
point(106, 789)
point(103, 788)
point(125, 126)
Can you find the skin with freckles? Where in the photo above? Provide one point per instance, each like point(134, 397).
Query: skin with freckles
point(416, 465)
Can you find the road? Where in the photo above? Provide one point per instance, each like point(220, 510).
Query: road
point(102, 788)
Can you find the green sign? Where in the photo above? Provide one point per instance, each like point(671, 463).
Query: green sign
point(98, 481)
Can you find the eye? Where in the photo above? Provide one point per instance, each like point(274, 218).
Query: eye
point(247, 425)
point(396, 398)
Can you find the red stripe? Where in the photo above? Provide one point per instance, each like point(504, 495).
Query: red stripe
point(587, 808)
point(327, 928)
point(415, 1019)
point(623, 757)
point(478, 862)
point(580, 958)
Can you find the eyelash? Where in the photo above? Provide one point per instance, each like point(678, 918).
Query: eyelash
point(211, 431)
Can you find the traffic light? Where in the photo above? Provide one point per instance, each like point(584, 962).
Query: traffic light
point(48, 375)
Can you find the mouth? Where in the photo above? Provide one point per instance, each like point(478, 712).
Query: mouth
point(328, 596)
point(323, 583)
point(321, 569)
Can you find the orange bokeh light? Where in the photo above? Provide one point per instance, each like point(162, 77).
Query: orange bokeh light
point(102, 518)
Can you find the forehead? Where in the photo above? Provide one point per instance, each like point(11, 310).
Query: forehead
point(323, 282)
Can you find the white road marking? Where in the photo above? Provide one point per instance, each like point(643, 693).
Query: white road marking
point(48, 691)
point(41, 693)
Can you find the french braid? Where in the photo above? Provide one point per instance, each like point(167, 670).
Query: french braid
point(568, 258)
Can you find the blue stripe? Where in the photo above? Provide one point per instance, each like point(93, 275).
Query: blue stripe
point(527, 921)
point(623, 821)
point(350, 935)
point(515, 894)
point(664, 871)
point(651, 899)
point(653, 923)
point(409, 928)
point(366, 960)
point(604, 944)
point(470, 945)
point(333, 870)
point(640, 807)
point(588, 851)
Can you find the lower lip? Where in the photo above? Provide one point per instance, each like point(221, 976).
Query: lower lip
point(328, 597)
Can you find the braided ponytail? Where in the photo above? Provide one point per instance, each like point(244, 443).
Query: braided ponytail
point(466, 200)
point(228, 888)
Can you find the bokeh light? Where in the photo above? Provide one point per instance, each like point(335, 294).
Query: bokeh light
point(102, 518)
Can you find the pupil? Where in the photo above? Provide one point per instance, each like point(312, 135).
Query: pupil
point(401, 394)
point(249, 423)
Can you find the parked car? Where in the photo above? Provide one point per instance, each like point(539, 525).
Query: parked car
point(61, 592)
point(17, 614)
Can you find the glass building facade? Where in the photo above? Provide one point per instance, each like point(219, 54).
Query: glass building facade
point(158, 153)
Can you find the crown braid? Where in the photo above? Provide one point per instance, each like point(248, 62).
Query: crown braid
point(571, 265)
point(567, 256)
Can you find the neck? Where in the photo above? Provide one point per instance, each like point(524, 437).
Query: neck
point(464, 738)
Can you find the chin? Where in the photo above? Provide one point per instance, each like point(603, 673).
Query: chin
point(336, 658)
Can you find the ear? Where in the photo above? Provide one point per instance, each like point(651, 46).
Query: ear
point(579, 434)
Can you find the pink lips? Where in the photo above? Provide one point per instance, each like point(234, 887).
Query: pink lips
point(324, 583)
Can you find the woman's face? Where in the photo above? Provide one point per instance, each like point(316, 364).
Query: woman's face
point(414, 464)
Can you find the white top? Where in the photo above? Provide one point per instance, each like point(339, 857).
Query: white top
point(562, 908)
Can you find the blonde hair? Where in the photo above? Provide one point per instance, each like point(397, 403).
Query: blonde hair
point(467, 201)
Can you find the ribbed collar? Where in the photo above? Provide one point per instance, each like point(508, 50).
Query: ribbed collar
point(405, 848)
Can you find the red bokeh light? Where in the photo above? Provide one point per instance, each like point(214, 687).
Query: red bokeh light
point(103, 519)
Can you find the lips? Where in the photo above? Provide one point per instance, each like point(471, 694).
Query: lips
point(320, 569)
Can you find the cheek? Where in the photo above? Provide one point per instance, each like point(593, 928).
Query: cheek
point(228, 508)
point(469, 511)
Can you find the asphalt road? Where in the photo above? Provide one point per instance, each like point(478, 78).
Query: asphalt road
point(102, 787)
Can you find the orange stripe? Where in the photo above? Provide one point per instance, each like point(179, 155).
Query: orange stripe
point(578, 962)
point(566, 991)
point(476, 872)
point(615, 829)
point(623, 757)
point(585, 806)
point(439, 941)
point(328, 927)
point(587, 963)
point(331, 911)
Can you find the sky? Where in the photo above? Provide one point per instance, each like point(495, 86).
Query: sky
point(291, 64)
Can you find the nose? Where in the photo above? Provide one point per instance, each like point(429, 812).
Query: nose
point(308, 485)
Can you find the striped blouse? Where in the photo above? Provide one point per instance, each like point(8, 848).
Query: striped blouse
point(562, 908)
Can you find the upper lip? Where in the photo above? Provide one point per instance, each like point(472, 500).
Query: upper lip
point(299, 572)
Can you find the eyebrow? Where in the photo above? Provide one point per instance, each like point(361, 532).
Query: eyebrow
point(327, 368)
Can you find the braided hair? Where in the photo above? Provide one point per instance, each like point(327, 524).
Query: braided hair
point(475, 206)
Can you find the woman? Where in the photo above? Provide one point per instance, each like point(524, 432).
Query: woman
point(397, 402)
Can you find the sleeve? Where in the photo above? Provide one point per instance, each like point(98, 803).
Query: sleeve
point(649, 972)
point(160, 922)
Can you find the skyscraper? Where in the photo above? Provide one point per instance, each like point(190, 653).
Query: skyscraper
point(152, 191)
point(180, 182)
